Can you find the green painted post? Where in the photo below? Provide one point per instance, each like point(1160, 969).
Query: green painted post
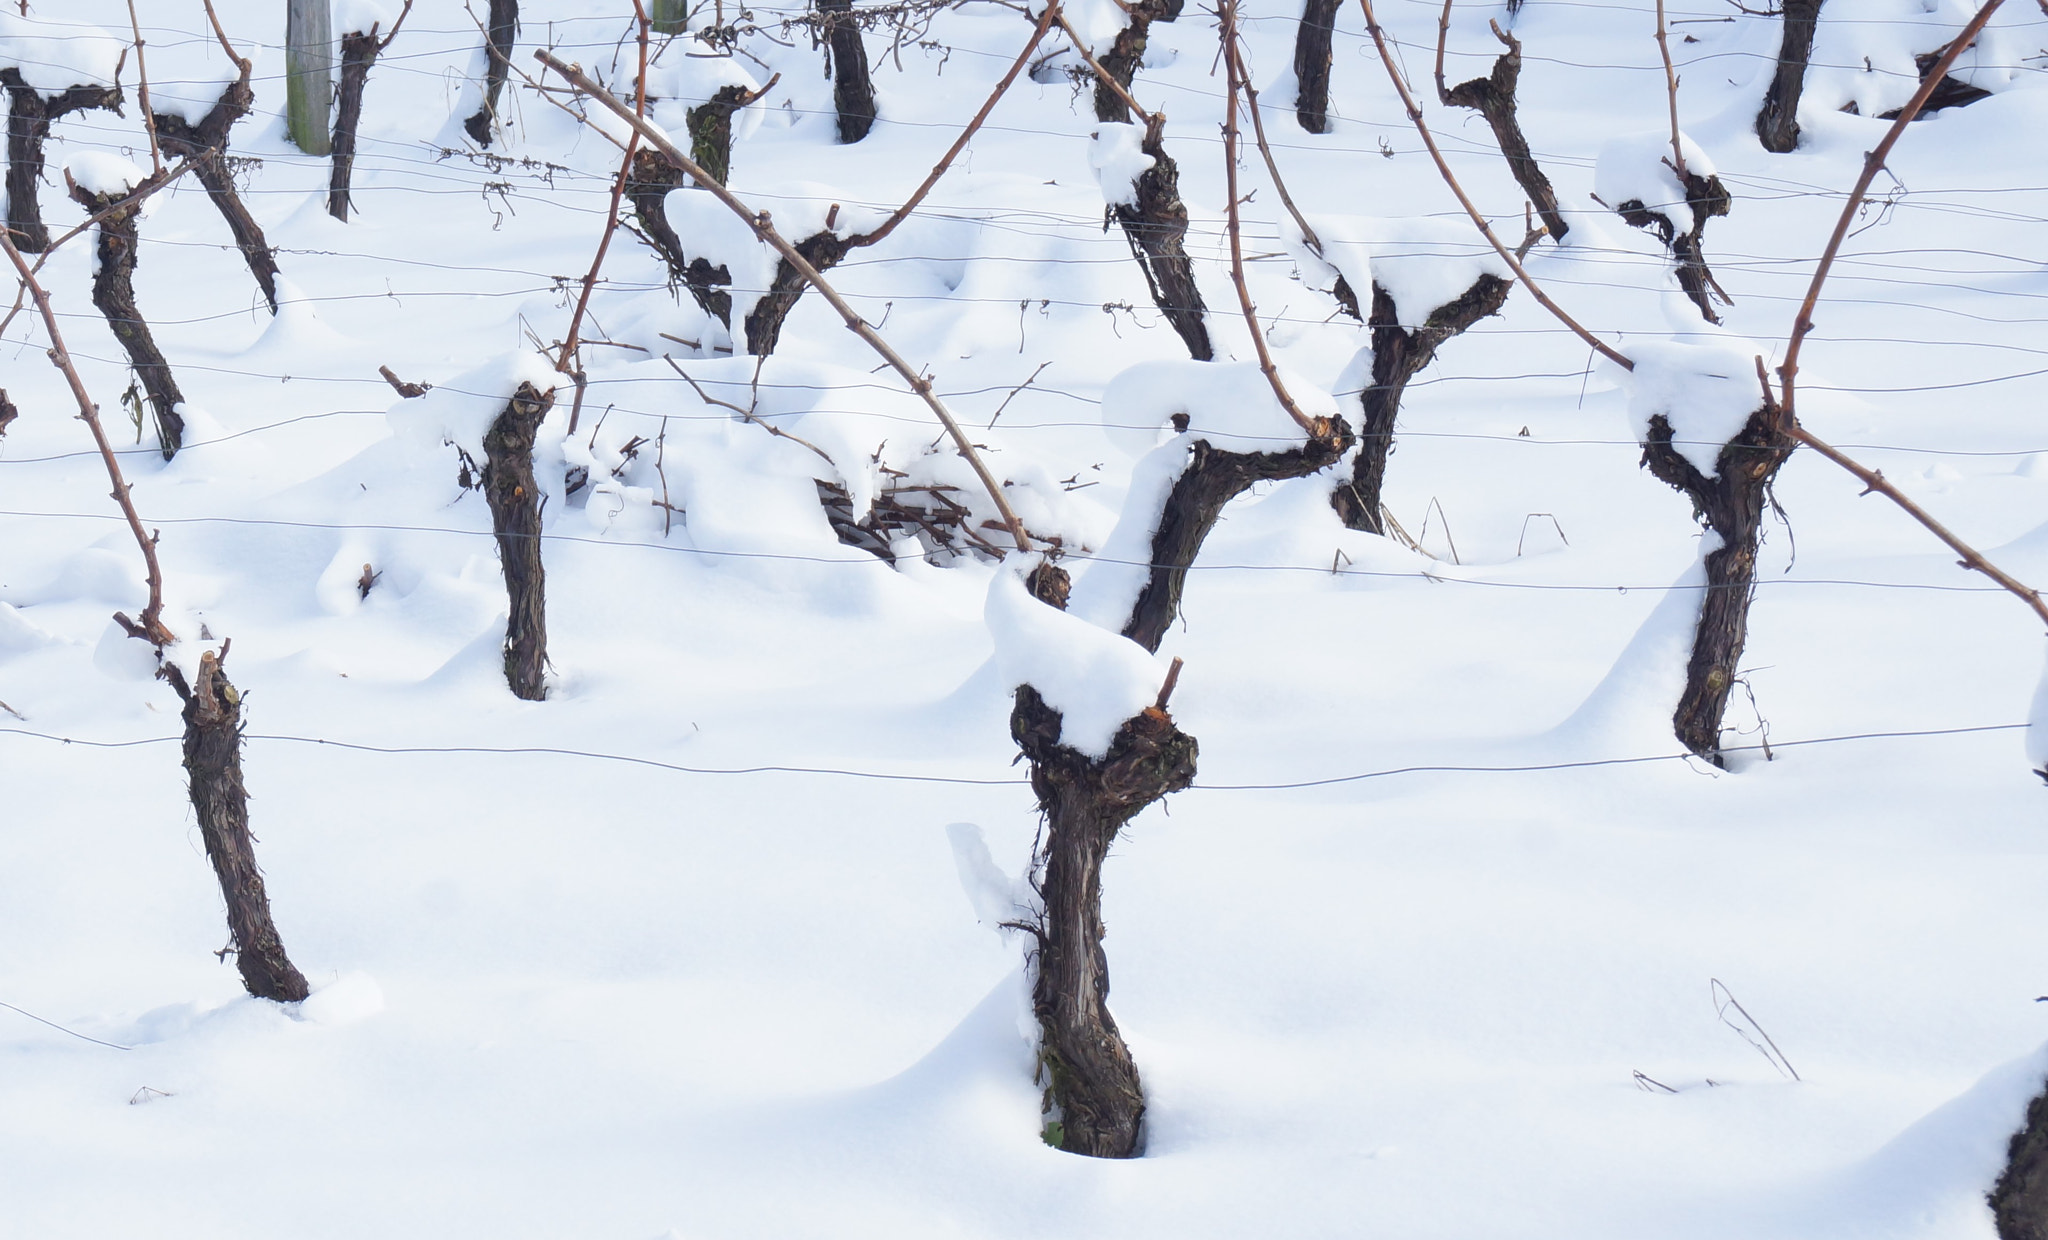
point(670, 16)
point(309, 74)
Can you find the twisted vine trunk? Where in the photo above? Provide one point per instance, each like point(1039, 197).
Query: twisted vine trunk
point(764, 322)
point(1707, 198)
point(1493, 97)
point(29, 116)
point(358, 53)
point(206, 145)
point(1731, 504)
point(853, 92)
point(213, 764)
point(1398, 354)
point(1777, 122)
point(1121, 61)
point(113, 292)
point(500, 30)
point(1156, 225)
point(514, 497)
point(1095, 1102)
point(1312, 64)
point(647, 187)
point(2019, 1201)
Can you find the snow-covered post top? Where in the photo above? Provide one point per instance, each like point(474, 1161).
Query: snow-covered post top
point(52, 57)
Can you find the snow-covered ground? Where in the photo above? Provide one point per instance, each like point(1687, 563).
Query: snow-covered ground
point(685, 950)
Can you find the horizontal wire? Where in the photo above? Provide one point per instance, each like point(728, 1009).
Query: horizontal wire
point(1440, 577)
point(902, 777)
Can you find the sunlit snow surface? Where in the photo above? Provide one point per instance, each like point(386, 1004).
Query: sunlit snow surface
point(563, 996)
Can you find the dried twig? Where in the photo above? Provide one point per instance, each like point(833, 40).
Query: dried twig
point(1725, 999)
point(151, 627)
point(764, 229)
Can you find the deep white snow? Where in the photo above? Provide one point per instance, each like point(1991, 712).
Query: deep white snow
point(701, 945)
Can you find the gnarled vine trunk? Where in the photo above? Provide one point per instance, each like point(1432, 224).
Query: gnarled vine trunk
point(213, 765)
point(1095, 1103)
point(29, 115)
point(1731, 504)
point(1312, 64)
point(1121, 61)
point(1493, 97)
point(1398, 354)
point(1155, 223)
point(514, 497)
point(501, 28)
point(1707, 198)
point(1777, 122)
point(358, 52)
point(113, 292)
point(853, 93)
point(764, 322)
point(206, 144)
point(2019, 1201)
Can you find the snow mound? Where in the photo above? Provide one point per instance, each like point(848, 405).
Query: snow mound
point(1638, 168)
point(1095, 678)
point(1863, 53)
point(52, 56)
point(1705, 391)
point(1109, 589)
point(2037, 728)
point(108, 176)
point(360, 17)
point(1421, 263)
point(460, 411)
point(1113, 151)
point(1229, 404)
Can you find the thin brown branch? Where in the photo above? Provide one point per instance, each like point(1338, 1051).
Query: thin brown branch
point(911, 203)
point(764, 228)
point(611, 222)
point(1379, 41)
point(1873, 162)
point(1108, 79)
point(1251, 95)
point(1226, 12)
point(220, 33)
point(1972, 558)
point(393, 33)
point(1443, 36)
point(151, 628)
point(1670, 94)
point(156, 153)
